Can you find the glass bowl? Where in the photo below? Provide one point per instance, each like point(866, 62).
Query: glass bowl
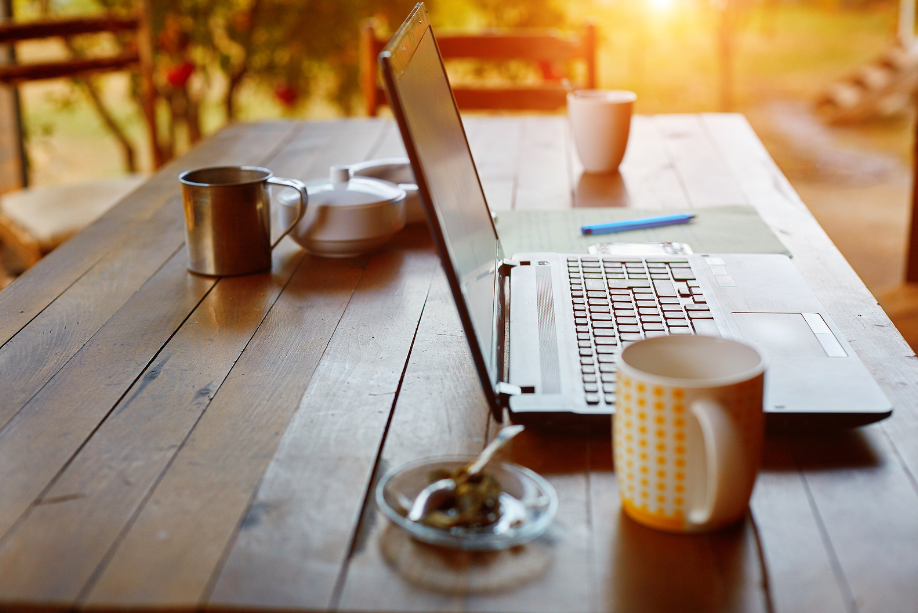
point(528, 504)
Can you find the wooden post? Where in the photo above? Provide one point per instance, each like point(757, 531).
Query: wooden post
point(726, 44)
point(911, 264)
point(589, 42)
point(147, 87)
point(906, 22)
point(368, 71)
point(13, 165)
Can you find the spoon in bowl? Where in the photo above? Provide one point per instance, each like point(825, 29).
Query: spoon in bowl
point(434, 495)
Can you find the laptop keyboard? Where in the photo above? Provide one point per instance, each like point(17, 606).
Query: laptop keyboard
point(619, 300)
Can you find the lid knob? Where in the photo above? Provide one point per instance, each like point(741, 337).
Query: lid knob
point(339, 176)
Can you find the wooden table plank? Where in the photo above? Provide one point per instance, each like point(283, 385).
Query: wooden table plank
point(55, 335)
point(703, 172)
point(544, 179)
point(85, 510)
point(320, 473)
point(802, 574)
point(717, 572)
point(495, 146)
point(648, 170)
point(40, 440)
point(183, 529)
point(866, 500)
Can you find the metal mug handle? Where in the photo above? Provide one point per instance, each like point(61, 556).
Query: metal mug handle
point(304, 200)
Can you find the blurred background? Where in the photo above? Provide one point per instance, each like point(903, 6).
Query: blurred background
point(786, 65)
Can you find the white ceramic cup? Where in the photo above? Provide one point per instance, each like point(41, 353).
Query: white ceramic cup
point(687, 432)
point(600, 122)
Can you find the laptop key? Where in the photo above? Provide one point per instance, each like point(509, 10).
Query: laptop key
point(595, 284)
point(630, 337)
point(706, 327)
point(683, 274)
point(627, 284)
point(664, 288)
point(592, 398)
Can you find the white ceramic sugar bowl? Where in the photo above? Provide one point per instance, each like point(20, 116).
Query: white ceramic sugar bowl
point(347, 216)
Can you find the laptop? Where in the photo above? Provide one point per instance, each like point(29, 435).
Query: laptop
point(544, 329)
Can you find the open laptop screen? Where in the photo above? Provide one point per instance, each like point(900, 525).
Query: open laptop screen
point(438, 145)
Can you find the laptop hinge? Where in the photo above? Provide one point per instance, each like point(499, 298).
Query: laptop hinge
point(506, 266)
point(508, 389)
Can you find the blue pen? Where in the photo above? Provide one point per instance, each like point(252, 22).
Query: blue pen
point(637, 224)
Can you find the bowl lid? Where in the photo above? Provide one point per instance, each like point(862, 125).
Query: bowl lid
point(355, 192)
point(348, 192)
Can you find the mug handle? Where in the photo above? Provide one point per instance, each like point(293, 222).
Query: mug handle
point(724, 463)
point(300, 187)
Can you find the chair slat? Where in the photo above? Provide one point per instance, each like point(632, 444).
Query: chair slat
point(14, 74)
point(46, 28)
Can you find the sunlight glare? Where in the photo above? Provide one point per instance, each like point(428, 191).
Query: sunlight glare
point(662, 6)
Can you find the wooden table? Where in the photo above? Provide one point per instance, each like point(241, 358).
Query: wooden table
point(174, 441)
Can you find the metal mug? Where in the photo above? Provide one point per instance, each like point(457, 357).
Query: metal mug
point(228, 218)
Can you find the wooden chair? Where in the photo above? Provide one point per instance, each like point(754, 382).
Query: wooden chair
point(35, 220)
point(552, 51)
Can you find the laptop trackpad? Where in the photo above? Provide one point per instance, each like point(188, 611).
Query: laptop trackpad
point(790, 335)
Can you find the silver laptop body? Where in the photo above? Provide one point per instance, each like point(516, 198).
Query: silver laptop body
point(544, 328)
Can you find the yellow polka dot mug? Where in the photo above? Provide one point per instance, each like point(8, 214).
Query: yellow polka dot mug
point(687, 431)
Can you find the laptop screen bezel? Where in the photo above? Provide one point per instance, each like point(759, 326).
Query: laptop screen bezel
point(393, 61)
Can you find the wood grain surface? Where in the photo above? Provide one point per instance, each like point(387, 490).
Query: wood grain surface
point(170, 441)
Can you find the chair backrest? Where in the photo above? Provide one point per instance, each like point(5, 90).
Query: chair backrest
point(139, 58)
point(550, 50)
